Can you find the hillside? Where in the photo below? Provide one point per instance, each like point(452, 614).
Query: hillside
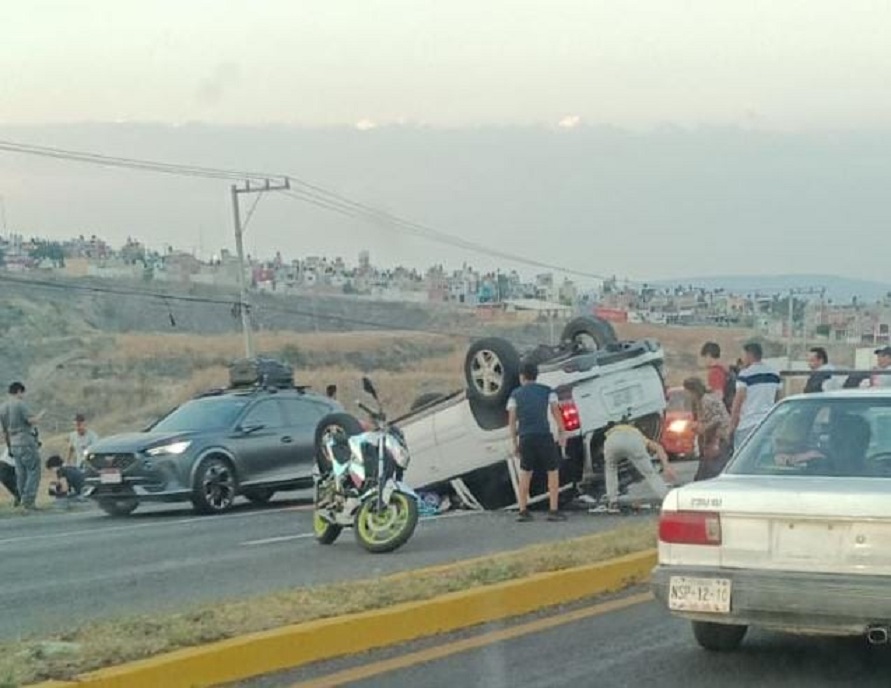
point(123, 360)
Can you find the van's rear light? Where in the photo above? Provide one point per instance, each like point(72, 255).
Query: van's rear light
point(570, 413)
point(690, 528)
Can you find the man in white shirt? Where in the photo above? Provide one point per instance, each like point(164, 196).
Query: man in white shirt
point(757, 390)
point(80, 441)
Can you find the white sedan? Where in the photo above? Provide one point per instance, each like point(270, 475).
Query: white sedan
point(795, 535)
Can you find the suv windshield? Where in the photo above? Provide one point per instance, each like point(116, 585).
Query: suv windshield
point(210, 413)
point(821, 437)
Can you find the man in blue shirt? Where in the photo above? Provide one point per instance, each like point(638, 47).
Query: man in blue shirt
point(533, 442)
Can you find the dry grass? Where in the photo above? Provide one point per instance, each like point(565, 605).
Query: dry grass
point(108, 643)
point(682, 345)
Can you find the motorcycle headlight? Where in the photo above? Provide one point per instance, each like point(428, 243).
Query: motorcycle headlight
point(172, 449)
point(399, 454)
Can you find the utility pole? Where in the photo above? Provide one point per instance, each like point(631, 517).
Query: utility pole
point(811, 291)
point(243, 305)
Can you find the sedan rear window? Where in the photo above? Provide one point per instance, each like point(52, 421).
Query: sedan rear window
point(821, 437)
point(210, 413)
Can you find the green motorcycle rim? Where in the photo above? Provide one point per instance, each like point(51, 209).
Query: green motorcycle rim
point(381, 528)
point(319, 524)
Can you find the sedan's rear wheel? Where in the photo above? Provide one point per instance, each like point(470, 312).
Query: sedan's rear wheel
point(215, 486)
point(718, 637)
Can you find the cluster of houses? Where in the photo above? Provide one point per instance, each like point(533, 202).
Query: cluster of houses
point(489, 293)
point(811, 319)
point(93, 257)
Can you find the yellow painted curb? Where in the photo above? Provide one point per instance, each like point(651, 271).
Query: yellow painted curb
point(294, 646)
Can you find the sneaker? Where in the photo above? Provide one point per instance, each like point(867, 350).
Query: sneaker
point(524, 516)
point(556, 516)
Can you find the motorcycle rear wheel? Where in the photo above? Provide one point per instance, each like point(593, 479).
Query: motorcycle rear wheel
point(390, 529)
point(326, 533)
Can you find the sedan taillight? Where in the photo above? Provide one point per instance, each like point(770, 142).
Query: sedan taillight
point(690, 527)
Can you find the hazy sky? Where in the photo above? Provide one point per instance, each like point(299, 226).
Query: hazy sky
point(782, 107)
point(777, 64)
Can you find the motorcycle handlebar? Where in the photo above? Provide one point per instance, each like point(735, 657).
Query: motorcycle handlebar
point(376, 415)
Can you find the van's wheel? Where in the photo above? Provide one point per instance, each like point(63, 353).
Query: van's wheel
point(215, 486)
point(588, 334)
point(338, 424)
point(718, 637)
point(260, 495)
point(425, 400)
point(491, 371)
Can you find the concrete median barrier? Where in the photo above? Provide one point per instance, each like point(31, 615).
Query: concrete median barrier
point(298, 645)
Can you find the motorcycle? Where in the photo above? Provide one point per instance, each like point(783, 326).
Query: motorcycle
point(358, 480)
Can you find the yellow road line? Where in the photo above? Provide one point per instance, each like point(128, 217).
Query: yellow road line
point(484, 639)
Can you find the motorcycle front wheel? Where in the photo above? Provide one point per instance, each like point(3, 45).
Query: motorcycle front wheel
point(326, 533)
point(387, 529)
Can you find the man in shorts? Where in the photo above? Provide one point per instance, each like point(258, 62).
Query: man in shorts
point(533, 441)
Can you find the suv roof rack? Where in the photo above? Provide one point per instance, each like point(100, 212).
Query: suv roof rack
point(251, 389)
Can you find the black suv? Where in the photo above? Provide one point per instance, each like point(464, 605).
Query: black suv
point(218, 445)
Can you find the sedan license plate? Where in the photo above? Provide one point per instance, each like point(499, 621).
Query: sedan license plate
point(699, 594)
point(110, 476)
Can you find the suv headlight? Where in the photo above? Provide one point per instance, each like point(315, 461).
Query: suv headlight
point(172, 449)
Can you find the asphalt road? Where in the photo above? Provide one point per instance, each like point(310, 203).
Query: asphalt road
point(638, 644)
point(56, 569)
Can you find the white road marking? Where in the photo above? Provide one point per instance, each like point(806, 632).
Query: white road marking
point(280, 538)
point(132, 526)
point(304, 536)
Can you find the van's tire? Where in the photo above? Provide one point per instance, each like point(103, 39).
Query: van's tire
point(425, 400)
point(342, 422)
point(588, 333)
point(718, 637)
point(491, 371)
point(259, 495)
point(488, 417)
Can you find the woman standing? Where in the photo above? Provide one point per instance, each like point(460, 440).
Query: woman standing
point(712, 423)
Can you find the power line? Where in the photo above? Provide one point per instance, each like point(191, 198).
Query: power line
point(307, 192)
point(382, 218)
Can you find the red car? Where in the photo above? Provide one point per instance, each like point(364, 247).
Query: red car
point(678, 436)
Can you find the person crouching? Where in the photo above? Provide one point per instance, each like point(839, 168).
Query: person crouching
point(69, 482)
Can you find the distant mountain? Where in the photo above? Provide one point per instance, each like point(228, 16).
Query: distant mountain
point(839, 289)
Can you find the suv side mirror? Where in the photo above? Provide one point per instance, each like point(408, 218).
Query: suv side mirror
point(369, 387)
point(251, 428)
